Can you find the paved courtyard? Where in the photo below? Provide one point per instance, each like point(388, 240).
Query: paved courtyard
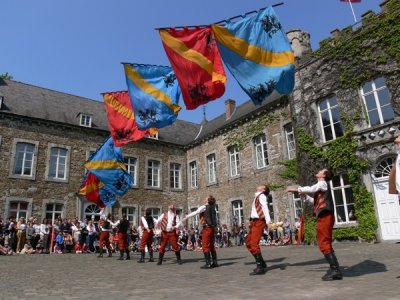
point(372, 271)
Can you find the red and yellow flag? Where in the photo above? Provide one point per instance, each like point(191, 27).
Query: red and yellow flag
point(91, 189)
point(197, 64)
point(121, 119)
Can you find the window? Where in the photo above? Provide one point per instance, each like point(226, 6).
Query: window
point(384, 167)
point(92, 212)
point(130, 214)
point(290, 142)
point(18, 210)
point(131, 168)
point(193, 174)
point(260, 145)
point(155, 212)
point(53, 211)
point(234, 162)
point(377, 101)
point(24, 159)
point(154, 136)
point(217, 212)
point(343, 199)
point(270, 202)
point(86, 120)
point(297, 205)
point(211, 168)
point(153, 173)
point(237, 211)
point(330, 119)
point(175, 181)
point(58, 163)
point(195, 220)
point(179, 213)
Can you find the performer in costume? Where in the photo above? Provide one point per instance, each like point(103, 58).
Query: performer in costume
point(123, 228)
point(208, 219)
point(324, 210)
point(169, 222)
point(147, 236)
point(105, 229)
point(259, 218)
point(394, 177)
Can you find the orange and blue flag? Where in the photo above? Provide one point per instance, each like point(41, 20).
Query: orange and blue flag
point(197, 64)
point(121, 119)
point(154, 93)
point(257, 52)
point(90, 189)
point(107, 164)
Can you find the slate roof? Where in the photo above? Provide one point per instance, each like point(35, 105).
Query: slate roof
point(35, 102)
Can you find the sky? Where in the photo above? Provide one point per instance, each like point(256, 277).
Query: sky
point(76, 46)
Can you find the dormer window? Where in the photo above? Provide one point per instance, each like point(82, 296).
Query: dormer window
point(85, 120)
point(154, 137)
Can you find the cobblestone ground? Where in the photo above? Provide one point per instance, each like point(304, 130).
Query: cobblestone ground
point(371, 272)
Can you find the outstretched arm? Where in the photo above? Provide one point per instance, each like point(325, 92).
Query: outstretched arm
point(195, 213)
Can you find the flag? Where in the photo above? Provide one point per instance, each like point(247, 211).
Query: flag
point(257, 52)
point(107, 164)
point(154, 93)
point(353, 1)
point(90, 189)
point(197, 64)
point(121, 119)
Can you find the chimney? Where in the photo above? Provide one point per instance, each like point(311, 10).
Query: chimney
point(230, 106)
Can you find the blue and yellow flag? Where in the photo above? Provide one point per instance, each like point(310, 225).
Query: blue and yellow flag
point(154, 93)
point(257, 52)
point(107, 164)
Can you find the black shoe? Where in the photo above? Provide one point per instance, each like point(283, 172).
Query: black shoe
point(128, 257)
point(100, 254)
point(141, 260)
point(151, 259)
point(178, 257)
point(260, 270)
point(160, 258)
point(109, 253)
point(334, 271)
point(208, 261)
point(214, 260)
point(121, 255)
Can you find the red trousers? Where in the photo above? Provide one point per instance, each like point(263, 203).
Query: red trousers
point(172, 237)
point(324, 232)
point(207, 237)
point(123, 241)
point(147, 240)
point(255, 233)
point(104, 240)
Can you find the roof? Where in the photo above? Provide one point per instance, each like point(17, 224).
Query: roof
point(36, 102)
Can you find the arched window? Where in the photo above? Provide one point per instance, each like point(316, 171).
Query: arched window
point(92, 212)
point(383, 168)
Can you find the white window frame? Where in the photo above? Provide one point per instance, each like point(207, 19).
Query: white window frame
point(67, 163)
point(193, 174)
point(297, 199)
point(153, 210)
point(85, 120)
point(9, 200)
point(238, 211)
point(132, 217)
point(153, 137)
point(331, 124)
point(211, 160)
point(377, 100)
point(342, 187)
point(260, 146)
point(290, 140)
point(234, 161)
point(134, 172)
point(13, 161)
point(195, 221)
point(175, 174)
point(155, 176)
point(53, 212)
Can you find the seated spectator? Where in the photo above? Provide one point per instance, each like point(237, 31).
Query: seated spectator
point(78, 248)
point(58, 248)
point(6, 250)
point(27, 249)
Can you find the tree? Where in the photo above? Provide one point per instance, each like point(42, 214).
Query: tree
point(6, 75)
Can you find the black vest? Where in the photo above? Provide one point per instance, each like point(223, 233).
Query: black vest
point(210, 214)
point(150, 221)
point(323, 202)
point(106, 225)
point(123, 226)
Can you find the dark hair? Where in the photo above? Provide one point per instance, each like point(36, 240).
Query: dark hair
point(328, 174)
point(266, 190)
point(211, 200)
point(148, 212)
point(123, 216)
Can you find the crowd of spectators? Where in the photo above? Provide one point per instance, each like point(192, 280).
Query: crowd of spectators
point(33, 236)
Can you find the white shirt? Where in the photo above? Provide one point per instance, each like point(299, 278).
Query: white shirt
point(398, 172)
point(264, 205)
point(197, 211)
point(36, 227)
point(91, 229)
point(171, 216)
point(144, 222)
point(311, 190)
point(44, 229)
point(22, 227)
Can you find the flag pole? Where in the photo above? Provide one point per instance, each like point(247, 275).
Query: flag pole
point(352, 10)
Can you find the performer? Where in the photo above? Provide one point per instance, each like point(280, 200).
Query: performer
point(259, 218)
point(324, 210)
point(208, 219)
point(123, 228)
point(169, 222)
point(147, 236)
point(105, 229)
point(394, 177)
